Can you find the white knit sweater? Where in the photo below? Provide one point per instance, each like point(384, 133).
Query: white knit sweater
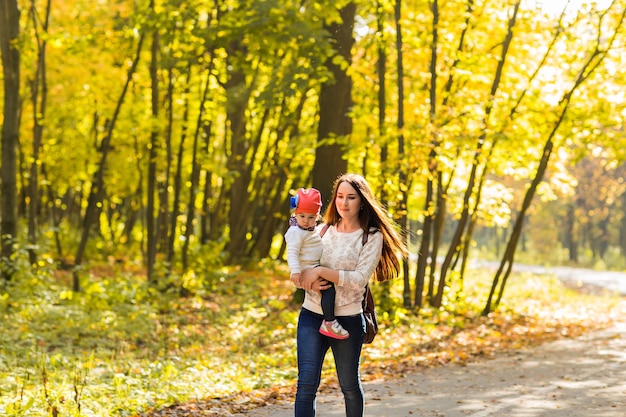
point(355, 262)
point(304, 249)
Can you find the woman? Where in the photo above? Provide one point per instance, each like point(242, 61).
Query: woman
point(347, 263)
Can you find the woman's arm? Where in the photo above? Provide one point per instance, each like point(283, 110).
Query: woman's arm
point(368, 259)
point(318, 278)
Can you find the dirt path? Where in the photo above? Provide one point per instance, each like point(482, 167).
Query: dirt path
point(582, 377)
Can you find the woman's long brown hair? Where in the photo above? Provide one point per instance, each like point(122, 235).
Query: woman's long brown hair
point(375, 216)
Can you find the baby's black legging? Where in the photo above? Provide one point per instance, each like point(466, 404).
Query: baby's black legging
point(328, 303)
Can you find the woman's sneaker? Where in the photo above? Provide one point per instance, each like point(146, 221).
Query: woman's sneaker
point(333, 329)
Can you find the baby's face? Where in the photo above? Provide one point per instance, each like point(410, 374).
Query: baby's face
point(306, 220)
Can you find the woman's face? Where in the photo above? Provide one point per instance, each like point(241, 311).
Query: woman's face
point(347, 201)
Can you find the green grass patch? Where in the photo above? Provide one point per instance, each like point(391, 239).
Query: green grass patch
point(122, 347)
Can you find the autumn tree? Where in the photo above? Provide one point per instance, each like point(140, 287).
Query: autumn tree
point(174, 132)
point(595, 54)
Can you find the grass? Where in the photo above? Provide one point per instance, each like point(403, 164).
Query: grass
point(122, 348)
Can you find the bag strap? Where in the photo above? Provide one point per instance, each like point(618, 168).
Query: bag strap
point(367, 297)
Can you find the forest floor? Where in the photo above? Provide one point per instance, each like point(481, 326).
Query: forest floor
point(580, 377)
point(570, 377)
point(573, 373)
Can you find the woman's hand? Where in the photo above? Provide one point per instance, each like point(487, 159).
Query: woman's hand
point(312, 280)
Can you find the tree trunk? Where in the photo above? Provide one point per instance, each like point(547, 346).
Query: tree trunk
point(435, 204)
point(423, 254)
point(9, 34)
point(272, 187)
point(381, 69)
point(195, 173)
point(94, 206)
point(163, 186)
point(178, 174)
point(257, 183)
point(467, 240)
point(97, 187)
point(151, 207)
point(456, 245)
point(238, 94)
point(243, 194)
point(54, 212)
point(335, 103)
point(438, 227)
point(135, 201)
point(568, 233)
point(39, 93)
point(274, 201)
point(191, 203)
point(506, 264)
point(603, 237)
point(214, 204)
point(622, 228)
point(403, 218)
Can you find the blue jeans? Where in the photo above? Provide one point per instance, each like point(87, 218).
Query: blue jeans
point(312, 347)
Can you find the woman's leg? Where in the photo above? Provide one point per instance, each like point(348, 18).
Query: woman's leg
point(347, 355)
point(312, 347)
